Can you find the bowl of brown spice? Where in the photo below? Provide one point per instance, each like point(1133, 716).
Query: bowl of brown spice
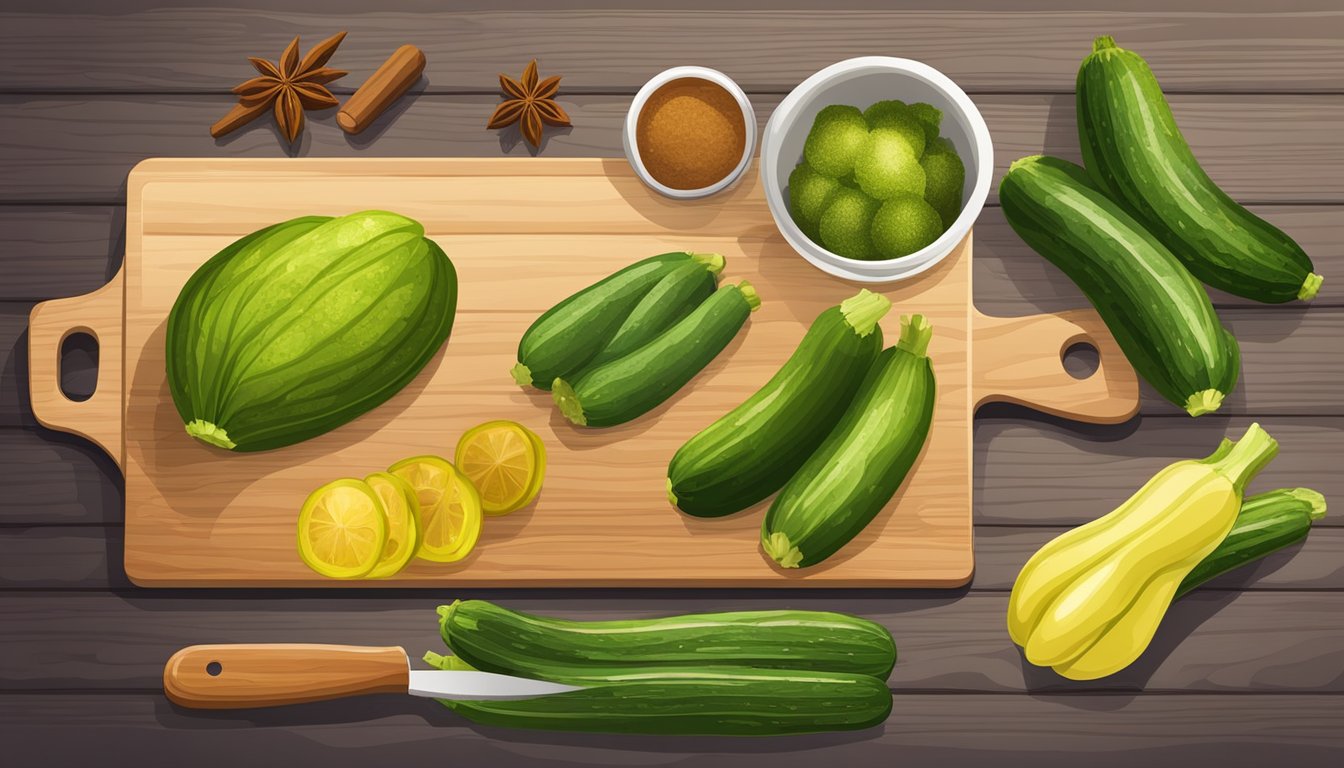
point(690, 132)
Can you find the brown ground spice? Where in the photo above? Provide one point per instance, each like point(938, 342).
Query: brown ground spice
point(690, 133)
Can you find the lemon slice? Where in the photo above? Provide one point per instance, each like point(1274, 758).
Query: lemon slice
point(450, 507)
point(342, 529)
point(403, 523)
point(506, 463)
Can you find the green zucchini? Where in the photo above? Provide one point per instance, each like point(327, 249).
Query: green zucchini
point(1134, 151)
point(710, 701)
point(303, 326)
point(496, 639)
point(628, 387)
point(673, 298)
point(857, 469)
point(753, 450)
point(1160, 316)
point(1266, 524)
point(567, 336)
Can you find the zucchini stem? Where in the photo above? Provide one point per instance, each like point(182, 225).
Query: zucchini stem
point(521, 374)
point(915, 334)
point(1103, 43)
point(778, 547)
point(567, 400)
point(1310, 287)
point(712, 261)
point(671, 495)
point(863, 311)
point(749, 293)
point(1252, 453)
point(1204, 401)
point(207, 432)
point(1315, 500)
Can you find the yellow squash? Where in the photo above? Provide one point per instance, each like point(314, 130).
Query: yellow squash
point(1088, 603)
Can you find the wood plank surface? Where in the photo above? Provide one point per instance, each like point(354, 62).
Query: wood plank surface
point(58, 148)
point(89, 557)
point(1208, 642)
point(983, 45)
point(1042, 730)
point(62, 250)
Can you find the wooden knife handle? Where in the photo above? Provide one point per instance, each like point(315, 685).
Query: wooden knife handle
point(243, 676)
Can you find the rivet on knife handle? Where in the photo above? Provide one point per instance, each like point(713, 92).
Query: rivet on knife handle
point(244, 676)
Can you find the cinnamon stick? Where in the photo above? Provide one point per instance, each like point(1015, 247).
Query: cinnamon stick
point(385, 86)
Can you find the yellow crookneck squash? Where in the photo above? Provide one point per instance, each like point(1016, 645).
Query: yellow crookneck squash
point(1088, 603)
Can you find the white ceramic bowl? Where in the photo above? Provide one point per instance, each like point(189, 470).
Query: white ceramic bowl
point(861, 82)
point(637, 106)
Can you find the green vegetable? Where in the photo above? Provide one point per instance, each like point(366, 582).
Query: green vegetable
point(810, 193)
point(672, 298)
point(904, 224)
point(846, 226)
point(712, 701)
point(1160, 316)
point(893, 115)
point(857, 469)
point(628, 387)
point(496, 639)
point(930, 117)
point(1134, 151)
point(1266, 524)
point(753, 450)
point(298, 328)
point(567, 336)
point(945, 178)
point(834, 140)
point(886, 165)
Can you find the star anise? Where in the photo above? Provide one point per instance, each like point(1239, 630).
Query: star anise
point(529, 103)
point(289, 87)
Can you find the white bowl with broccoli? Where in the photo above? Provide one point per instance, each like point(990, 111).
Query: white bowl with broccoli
point(875, 168)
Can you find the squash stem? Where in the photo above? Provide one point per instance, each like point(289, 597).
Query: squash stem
point(1310, 287)
point(671, 494)
point(1204, 401)
point(915, 334)
point(1314, 500)
point(1252, 453)
point(781, 550)
point(863, 311)
point(749, 293)
point(521, 374)
point(207, 432)
point(1105, 42)
point(567, 400)
point(711, 261)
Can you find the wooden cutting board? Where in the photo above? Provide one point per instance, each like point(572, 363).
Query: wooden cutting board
point(523, 234)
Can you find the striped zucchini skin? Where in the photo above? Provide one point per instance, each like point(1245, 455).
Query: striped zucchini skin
point(495, 639)
point(631, 386)
point(717, 701)
point(861, 464)
point(568, 335)
point(1159, 314)
point(1267, 523)
point(754, 449)
point(306, 325)
point(1134, 151)
point(671, 299)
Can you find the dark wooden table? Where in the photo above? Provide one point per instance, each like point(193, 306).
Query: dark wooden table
point(1250, 670)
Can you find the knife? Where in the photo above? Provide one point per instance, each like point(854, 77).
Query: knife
point(245, 676)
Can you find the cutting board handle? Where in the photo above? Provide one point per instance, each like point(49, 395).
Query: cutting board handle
point(1021, 360)
point(100, 315)
point(268, 675)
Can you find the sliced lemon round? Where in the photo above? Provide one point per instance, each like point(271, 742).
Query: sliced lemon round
point(403, 523)
point(505, 461)
point(342, 529)
point(450, 507)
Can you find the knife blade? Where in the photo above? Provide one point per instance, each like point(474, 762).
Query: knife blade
point(268, 675)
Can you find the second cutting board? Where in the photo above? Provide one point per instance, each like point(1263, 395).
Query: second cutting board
point(524, 234)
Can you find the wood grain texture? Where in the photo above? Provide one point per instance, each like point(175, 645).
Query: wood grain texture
point(54, 251)
point(982, 45)
point(89, 557)
point(277, 674)
point(1208, 642)
point(1043, 731)
point(51, 478)
point(57, 148)
point(196, 517)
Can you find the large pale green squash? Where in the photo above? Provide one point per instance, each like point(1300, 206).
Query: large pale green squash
point(298, 328)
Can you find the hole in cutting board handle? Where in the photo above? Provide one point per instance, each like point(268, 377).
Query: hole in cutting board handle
point(1081, 360)
point(78, 374)
point(214, 668)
